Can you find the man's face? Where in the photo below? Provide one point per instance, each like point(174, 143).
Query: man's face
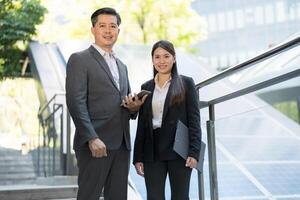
point(106, 31)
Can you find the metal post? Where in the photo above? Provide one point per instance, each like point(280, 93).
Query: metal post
point(212, 154)
point(44, 150)
point(61, 152)
point(48, 147)
point(39, 152)
point(54, 144)
point(68, 157)
point(200, 174)
point(200, 186)
point(298, 107)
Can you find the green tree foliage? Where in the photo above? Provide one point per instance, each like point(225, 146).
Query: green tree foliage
point(290, 109)
point(18, 19)
point(170, 20)
point(143, 21)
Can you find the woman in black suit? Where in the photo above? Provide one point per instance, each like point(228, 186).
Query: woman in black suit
point(173, 98)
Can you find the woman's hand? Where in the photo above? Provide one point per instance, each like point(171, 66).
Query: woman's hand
point(139, 167)
point(191, 162)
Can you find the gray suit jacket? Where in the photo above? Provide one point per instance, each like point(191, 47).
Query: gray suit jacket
point(94, 100)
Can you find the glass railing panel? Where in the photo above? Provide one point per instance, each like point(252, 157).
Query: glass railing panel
point(262, 149)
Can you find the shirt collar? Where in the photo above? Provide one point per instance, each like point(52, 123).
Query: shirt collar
point(102, 52)
point(165, 84)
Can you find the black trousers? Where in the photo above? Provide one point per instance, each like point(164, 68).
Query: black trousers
point(157, 171)
point(155, 179)
point(110, 173)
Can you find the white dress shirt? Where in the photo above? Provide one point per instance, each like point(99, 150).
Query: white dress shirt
point(158, 101)
point(110, 59)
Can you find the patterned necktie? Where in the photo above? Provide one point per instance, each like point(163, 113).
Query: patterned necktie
point(111, 62)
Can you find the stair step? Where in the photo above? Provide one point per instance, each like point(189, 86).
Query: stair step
point(16, 163)
point(15, 158)
point(101, 198)
point(35, 192)
point(16, 169)
point(16, 182)
point(17, 176)
point(6, 151)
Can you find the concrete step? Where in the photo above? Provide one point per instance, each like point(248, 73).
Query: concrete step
point(56, 180)
point(16, 182)
point(6, 151)
point(8, 157)
point(101, 198)
point(51, 188)
point(16, 169)
point(64, 199)
point(45, 151)
point(16, 163)
point(36, 192)
point(29, 175)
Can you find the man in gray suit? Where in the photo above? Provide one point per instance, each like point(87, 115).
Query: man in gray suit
point(96, 86)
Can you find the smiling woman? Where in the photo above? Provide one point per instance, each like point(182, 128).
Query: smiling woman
point(173, 98)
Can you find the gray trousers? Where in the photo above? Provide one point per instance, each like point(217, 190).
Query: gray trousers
point(110, 173)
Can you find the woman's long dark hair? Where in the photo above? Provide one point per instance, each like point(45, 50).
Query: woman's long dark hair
point(177, 90)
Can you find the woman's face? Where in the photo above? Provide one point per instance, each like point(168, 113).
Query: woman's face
point(163, 61)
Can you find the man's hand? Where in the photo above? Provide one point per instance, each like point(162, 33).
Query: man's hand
point(139, 167)
point(97, 148)
point(133, 103)
point(191, 162)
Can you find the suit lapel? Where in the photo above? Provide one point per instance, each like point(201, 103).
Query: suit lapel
point(99, 58)
point(148, 103)
point(167, 103)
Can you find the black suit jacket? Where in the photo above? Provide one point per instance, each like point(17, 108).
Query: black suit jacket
point(94, 100)
point(187, 112)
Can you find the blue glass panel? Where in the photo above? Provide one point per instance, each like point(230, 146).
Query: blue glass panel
point(279, 179)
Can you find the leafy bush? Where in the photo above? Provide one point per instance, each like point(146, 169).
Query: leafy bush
point(18, 19)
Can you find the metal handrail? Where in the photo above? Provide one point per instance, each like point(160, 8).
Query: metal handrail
point(211, 104)
point(252, 88)
point(46, 105)
point(45, 123)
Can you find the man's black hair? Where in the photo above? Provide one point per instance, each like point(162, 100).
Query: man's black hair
point(105, 11)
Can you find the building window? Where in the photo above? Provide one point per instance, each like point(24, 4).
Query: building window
point(221, 22)
point(232, 59)
point(280, 11)
point(223, 61)
point(230, 20)
point(298, 10)
point(240, 20)
point(213, 61)
point(242, 56)
point(259, 15)
point(249, 16)
point(269, 14)
point(292, 12)
point(212, 23)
